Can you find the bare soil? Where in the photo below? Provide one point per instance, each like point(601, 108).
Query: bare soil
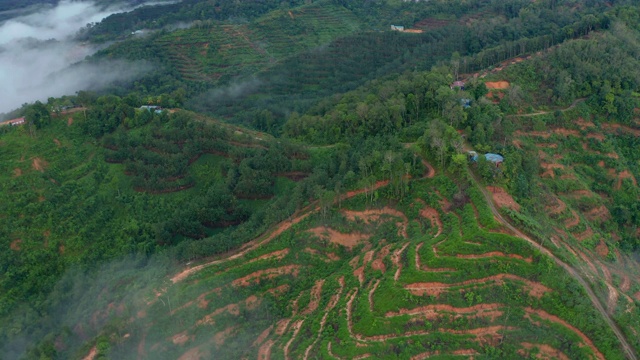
point(433, 312)
point(435, 288)
point(432, 214)
point(602, 249)
point(500, 85)
point(232, 309)
point(39, 164)
point(585, 234)
point(273, 255)
point(617, 127)
point(316, 292)
point(556, 208)
point(346, 240)
point(195, 354)
point(180, 339)
point(548, 169)
point(374, 215)
point(256, 277)
point(264, 353)
point(584, 124)
point(425, 267)
point(625, 174)
point(278, 290)
point(296, 329)
point(573, 221)
point(396, 261)
point(544, 351)
point(92, 354)
point(597, 136)
point(17, 172)
point(599, 213)
point(546, 316)
point(493, 254)
point(220, 337)
point(15, 245)
point(502, 198)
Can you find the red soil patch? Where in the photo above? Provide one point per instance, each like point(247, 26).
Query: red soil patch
point(375, 215)
point(600, 213)
point(544, 351)
point(368, 256)
point(92, 354)
point(616, 127)
point(15, 244)
point(542, 134)
point(548, 169)
point(501, 85)
point(378, 263)
point(278, 290)
point(396, 261)
point(597, 136)
point(602, 249)
point(625, 285)
point(502, 198)
point(220, 337)
point(556, 208)
point(359, 273)
point(252, 302)
point(566, 132)
point(552, 318)
point(584, 124)
point(195, 354)
point(281, 326)
point(232, 309)
point(273, 255)
point(346, 240)
point(17, 172)
point(296, 329)
point(263, 336)
point(585, 234)
point(430, 173)
point(575, 220)
point(625, 174)
point(432, 214)
point(330, 256)
point(316, 291)
point(256, 277)
point(39, 164)
point(637, 296)
point(180, 339)
point(460, 352)
point(547, 146)
point(613, 155)
point(373, 290)
point(493, 254)
point(57, 142)
point(69, 121)
point(433, 312)
point(426, 268)
point(264, 353)
point(435, 288)
point(517, 143)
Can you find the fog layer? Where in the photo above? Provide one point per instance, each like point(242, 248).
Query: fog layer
point(35, 46)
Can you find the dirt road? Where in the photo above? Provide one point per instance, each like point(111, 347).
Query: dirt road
point(570, 269)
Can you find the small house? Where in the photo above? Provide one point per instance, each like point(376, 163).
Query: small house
point(14, 122)
point(397, 28)
point(156, 109)
point(472, 156)
point(457, 85)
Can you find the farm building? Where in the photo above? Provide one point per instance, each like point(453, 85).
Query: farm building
point(397, 28)
point(14, 122)
point(154, 108)
point(457, 85)
point(494, 158)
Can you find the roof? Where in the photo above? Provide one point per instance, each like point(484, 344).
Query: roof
point(17, 121)
point(494, 157)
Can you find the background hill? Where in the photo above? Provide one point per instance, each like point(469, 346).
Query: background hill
point(320, 203)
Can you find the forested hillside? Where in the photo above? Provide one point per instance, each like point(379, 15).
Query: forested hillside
point(296, 180)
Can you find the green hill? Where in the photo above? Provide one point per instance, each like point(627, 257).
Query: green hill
point(344, 218)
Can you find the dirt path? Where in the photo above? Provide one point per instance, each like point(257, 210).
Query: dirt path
point(373, 290)
point(296, 329)
point(435, 288)
point(332, 304)
point(396, 260)
point(570, 269)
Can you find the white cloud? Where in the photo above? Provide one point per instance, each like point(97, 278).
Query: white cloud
point(26, 65)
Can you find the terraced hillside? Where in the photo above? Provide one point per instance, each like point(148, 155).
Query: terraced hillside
point(428, 276)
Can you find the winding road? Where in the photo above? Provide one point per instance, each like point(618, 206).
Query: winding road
point(570, 269)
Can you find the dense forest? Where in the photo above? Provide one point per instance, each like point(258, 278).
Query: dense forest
point(266, 121)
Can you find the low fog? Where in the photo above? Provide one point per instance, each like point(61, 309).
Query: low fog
point(34, 47)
